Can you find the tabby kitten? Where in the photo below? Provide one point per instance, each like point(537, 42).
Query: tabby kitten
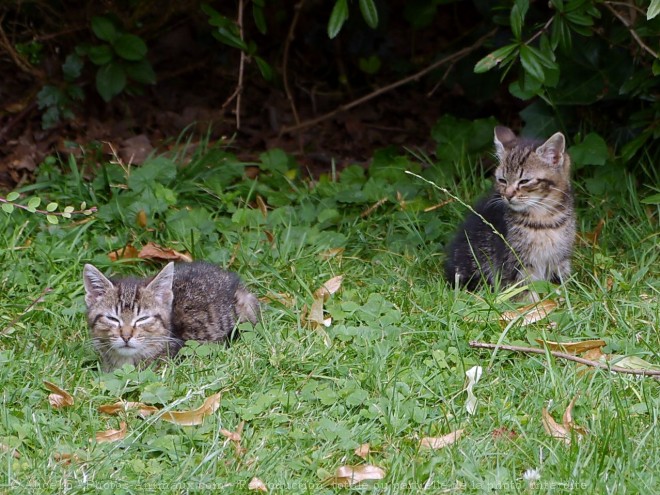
point(531, 206)
point(134, 321)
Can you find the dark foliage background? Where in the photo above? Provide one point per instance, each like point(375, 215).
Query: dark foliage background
point(91, 71)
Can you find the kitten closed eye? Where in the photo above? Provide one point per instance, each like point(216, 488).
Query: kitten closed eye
point(531, 211)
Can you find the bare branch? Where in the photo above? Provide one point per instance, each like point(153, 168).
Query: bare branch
point(563, 355)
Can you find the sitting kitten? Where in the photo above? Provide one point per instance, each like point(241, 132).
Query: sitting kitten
point(531, 206)
point(134, 321)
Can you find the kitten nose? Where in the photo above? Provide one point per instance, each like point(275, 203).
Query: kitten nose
point(509, 193)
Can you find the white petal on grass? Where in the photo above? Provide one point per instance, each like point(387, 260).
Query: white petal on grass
point(473, 376)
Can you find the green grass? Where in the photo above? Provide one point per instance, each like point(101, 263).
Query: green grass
point(394, 369)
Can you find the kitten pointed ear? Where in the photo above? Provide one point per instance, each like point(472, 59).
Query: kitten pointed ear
point(552, 151)
point(161, 285)
point(96, 284)
point(504, 138)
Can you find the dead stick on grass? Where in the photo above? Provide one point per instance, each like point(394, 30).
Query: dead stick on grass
point(418, 75)
point(563, 355)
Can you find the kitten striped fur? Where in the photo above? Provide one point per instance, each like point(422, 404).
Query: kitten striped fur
point(532, 216)
point(134, 321)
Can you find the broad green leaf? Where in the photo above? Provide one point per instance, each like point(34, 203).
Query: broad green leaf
point(100, 55)
point(72, 66)
point(130, 47)
point(517, 17)
point(259, 18)
point(7, 207)
point(494, 58)
point(140, 72)
point(591, 151)
point(13, 196)
point(337, 18)
point(264, 67)
point(369, 12)
point(110, 81)
point(531, 63)
point(104, 29)
point(52, 219)
point(229, 36)
point(33, 204)
point(654, 9)
point(51, 207)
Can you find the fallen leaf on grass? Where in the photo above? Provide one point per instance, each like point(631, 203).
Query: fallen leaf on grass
point(235, 437)
point(531, 313)
point(632, 363)
point(435, 443)
point(573, 347)
point(66, 459)
point(143, 409)
point(152, 251)
point(261, 204)
point(562, 431)
point(331, 253)
point(256, 485)
point(127, 252)
point(195, 416)
point(112, 435)
point(59, 398)
point(315, 316)
point(6, 448)
point(473, 376)
point(351, 475)
point(362, 450)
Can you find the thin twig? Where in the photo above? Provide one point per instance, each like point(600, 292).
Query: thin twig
point(628, 26)
point(540, 31)
point(38, 299)
point(448, 59)
point(17, 58)
point(238, 92)
point(568, 357)
point(285, 59)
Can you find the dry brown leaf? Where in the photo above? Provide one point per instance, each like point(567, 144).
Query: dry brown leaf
point(280, 297)
point(152, 251)
point(531, 313)
point(195, 416)
point(331, 253)
point(363, 450)
point(234, 436)
point(328, 288)
point(6, 448)
point(435, 443)
point(315, 316)
point(595, 354)
point(141, 219)
point(66, 459)
point(573, 347)
point(553, 428)
point(127, 252)
point(261, 204)
point(59, 398)
point(256, 485)
point(112, 435)
point(143, 409)
point(351, 475)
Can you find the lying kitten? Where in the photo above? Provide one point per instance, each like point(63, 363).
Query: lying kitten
point(531, 206)
point(134, 321)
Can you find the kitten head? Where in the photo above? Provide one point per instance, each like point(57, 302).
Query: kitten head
point(129, 319)
point(532, 176)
